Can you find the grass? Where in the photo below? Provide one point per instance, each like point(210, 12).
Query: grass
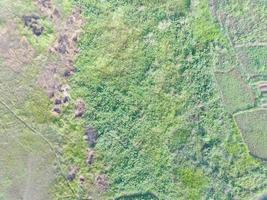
point(11, 9)
point(193, 180)
point(138, 196)
point(133, 86)
point(252, 125)
point(236, 94)
point(127, 100)
point(145, 70)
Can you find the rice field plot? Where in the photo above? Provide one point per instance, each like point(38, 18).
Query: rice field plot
point(253, 127)
point(245, 21)
point(236, 94)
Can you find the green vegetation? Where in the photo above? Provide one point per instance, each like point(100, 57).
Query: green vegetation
point(38, 107)
point(145, 70)
point(138, 196)
point(253, 60)
point(65, 6)
point(192, 179)
point(239, 17)
point(253, 127)
point(237, 95)
point(43, 42)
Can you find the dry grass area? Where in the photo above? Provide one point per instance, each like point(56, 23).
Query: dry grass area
point(26, 159)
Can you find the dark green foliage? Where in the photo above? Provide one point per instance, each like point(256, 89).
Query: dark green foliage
point(130, 71)
point(146, 73)
point(138, 196)
point(177, 139)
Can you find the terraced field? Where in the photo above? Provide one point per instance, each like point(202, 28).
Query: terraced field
point(248, 40)
point(237, 95)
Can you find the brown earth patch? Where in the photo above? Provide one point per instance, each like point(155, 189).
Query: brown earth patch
point(102, 182)
point(65, 50)
point(32, 22)
point(15, 52)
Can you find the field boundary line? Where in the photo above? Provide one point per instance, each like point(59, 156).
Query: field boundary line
point(252, 44)
point(44, 138)
point(249, 110)
point(241, 133)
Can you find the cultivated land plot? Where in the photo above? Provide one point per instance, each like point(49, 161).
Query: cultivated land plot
point(245, 23)
point(253, 127)
point(253, 60)
point(244, 20)
point(224, 60)
point(236, 94)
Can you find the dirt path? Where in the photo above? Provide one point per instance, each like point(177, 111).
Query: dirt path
point(27, 161)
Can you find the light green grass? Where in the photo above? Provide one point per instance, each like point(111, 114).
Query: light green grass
point(10, 9)
point(253, 127)
point(128, 66)
point(236, 94)
point(193, 179)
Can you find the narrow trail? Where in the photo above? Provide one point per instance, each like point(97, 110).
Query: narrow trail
point(28, 157)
